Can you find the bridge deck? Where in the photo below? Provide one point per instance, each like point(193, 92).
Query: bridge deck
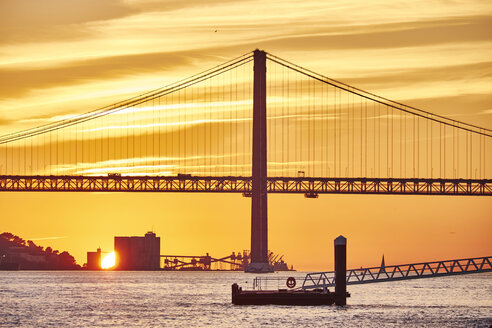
point(311, 187)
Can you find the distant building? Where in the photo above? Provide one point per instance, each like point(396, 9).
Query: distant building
point(94, 260)
point(138, 253)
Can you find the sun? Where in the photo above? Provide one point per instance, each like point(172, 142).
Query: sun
point(108, 261)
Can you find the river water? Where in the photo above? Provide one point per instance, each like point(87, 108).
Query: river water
point(203, 299)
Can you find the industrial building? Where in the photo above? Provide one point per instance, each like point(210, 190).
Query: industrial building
point(138, 253)
point(94, 260)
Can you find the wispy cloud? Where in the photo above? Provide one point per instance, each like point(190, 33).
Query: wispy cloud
point(22, 81)
point(47, 238)
point(44, 21)
point(75, 54)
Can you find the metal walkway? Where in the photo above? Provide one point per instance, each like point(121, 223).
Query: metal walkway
point(401, 272)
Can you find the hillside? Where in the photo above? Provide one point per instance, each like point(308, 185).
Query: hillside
point(29, 256)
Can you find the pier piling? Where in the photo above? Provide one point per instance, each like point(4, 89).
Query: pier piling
point(340, 270)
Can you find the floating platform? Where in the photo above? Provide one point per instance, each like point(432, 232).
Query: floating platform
point(282, 297)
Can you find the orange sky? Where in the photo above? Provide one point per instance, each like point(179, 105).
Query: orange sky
point(61, 58)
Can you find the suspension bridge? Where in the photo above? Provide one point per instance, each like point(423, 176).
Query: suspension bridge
point(254, 125)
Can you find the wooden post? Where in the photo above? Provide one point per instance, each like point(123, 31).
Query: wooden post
point(341, 270)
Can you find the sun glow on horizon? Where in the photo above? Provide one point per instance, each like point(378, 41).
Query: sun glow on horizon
point(108, 261)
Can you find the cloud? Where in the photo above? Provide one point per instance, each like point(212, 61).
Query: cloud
point(468, 107)
point(172, 5)
point(425, 74)
point(337, 38)
point(21, 81)
point(36, 21)
point(394, 35)
point(47, 238)
point(4, 121)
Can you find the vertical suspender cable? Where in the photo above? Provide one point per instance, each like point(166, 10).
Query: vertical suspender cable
point(443, 151)
point(418, 147)
point(413, 146)
point(365, 138)
point(440, 150)
point(335, 122)
point(374, 139)
point(471, 155)
point(282, 122)
point(361, 148)
point(340, 134)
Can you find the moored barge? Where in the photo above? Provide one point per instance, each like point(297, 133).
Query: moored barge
point(282, 296)
point(309, 293)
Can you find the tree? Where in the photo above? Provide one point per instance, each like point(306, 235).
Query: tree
point(66, 260)
point(6, 235)
point(33, 246)
point(18, 240)
point(53, 258)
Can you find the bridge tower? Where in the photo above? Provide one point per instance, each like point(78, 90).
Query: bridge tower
point(259, 211)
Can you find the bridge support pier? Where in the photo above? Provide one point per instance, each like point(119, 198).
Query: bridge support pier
point(259, 211)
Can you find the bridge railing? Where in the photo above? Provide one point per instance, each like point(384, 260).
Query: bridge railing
point(401, 272)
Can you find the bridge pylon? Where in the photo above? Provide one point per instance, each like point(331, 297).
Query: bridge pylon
point(259, 211)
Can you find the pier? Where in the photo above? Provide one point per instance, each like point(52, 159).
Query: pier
point(315, 287)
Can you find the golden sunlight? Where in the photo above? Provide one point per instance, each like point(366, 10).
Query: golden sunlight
point(108, 261)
